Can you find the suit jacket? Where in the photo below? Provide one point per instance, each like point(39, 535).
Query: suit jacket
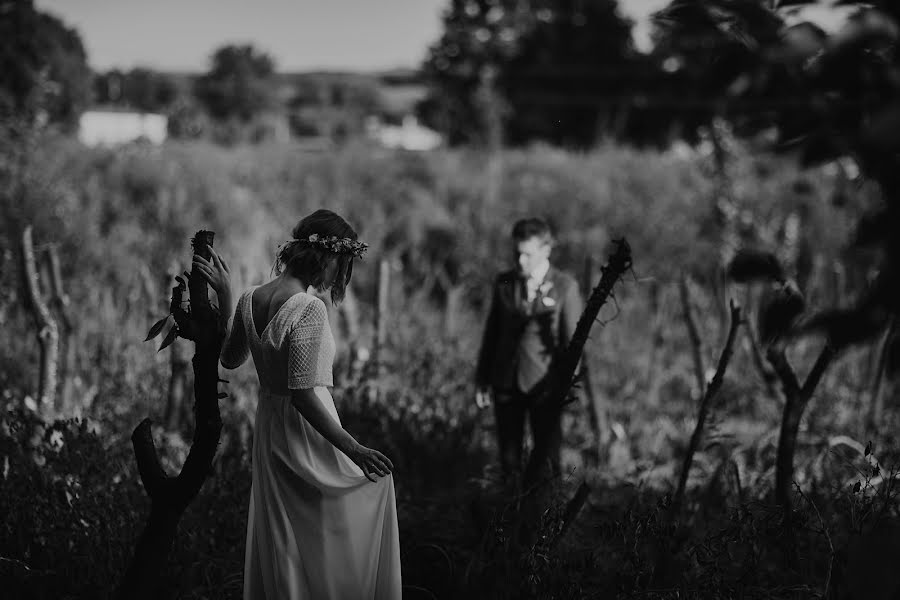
point(521, 339)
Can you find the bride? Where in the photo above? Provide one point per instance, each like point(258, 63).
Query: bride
point(323, 519)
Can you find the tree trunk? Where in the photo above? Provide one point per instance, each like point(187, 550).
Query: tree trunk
point(454, 297)
point(59, 301)
point(796, 398)
point(170, 496)
point(47, 331)
point(709, 395)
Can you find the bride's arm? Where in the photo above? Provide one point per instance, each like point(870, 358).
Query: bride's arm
point(305, 372)
point(217, 274)
point(372, 462)
point(235, 349)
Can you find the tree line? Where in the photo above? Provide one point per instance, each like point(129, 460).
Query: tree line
point(506, 72)
point(47, 79)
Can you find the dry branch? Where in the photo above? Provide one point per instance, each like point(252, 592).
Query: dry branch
point(573, 507)
point(47, 330)
point(756, 354)
point(710, 394)
point(562, 372)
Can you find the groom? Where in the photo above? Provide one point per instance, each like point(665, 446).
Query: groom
point(533, 314)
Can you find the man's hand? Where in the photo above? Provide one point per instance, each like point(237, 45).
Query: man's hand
point(483, 397)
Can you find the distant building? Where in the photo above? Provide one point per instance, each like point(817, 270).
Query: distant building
point(111, 128)
point(410, 135)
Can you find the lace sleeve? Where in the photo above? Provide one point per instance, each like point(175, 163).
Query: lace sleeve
point(305, 354)
point(235, 350)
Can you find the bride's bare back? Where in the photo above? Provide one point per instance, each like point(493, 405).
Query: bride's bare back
point(268, 299)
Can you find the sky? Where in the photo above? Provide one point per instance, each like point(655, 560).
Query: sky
point(180, 35)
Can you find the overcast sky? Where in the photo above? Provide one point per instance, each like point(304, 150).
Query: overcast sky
point(300, 34)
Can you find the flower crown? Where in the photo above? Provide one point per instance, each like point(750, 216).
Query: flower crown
point(336, 244)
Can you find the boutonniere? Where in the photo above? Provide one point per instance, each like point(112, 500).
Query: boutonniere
point(544, 291)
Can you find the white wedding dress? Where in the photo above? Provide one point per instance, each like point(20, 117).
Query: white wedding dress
point(317, 527)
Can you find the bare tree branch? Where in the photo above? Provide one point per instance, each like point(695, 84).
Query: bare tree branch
point(783, 369)
point(562, 372)
point(711, 392)
point(796, 398)
point(152, 474)
point(573, 507)
point(822, 363)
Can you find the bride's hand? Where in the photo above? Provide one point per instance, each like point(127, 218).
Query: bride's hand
point(372, 462)
point(215, 272)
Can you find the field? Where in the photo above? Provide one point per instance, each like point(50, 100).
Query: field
point(71, 504)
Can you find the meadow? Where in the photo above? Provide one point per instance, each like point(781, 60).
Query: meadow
point(71, 504)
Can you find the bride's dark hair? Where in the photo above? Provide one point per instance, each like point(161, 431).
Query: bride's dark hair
point(308, 261)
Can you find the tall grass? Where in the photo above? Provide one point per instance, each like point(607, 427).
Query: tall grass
point(123, 218)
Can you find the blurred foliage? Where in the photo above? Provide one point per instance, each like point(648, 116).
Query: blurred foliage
point(239, 83)
point(540, 63)
point(140, 89)
point(823, 97)
point(331, 105)
point(572, 56)
point(44, 74)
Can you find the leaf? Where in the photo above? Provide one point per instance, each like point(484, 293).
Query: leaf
point(779, 311)
point(222, 395)
point(754, 265)
point(170, 337)
point(868, 449)
point(157, 328)
point(856, 487)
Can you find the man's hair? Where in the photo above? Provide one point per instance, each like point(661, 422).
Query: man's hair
point(525, 229)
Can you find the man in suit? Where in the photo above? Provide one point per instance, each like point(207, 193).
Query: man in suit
point(533, 313)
